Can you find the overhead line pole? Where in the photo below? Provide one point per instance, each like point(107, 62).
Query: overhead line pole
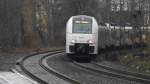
point(120, 20)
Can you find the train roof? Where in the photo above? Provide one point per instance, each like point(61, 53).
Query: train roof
point(82, 16)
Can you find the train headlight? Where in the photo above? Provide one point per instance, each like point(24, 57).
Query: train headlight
point(90, 41)
point(73, 41)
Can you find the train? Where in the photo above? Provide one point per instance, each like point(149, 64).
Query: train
point(86, 38)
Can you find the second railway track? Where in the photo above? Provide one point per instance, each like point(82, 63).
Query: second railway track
point(136, 74)
point(102, 69)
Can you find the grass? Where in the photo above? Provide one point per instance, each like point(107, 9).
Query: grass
point(139, 60)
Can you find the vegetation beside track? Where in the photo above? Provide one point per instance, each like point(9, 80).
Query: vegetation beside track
point(137, 60)
point(23, 50)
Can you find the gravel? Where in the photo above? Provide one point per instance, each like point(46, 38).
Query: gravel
point(8, 60)
point(113, 65)
point(62, 65)
point(32, 65)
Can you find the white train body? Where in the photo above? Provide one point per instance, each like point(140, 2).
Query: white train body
point(119, 37)
point(82, 35)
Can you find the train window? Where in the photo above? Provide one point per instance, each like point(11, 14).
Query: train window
point(82, 26)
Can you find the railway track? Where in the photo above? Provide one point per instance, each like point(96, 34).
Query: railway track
point(58, 74)
point(42, 59)
point(106, 70)
point(139, 75)
point(21, 64)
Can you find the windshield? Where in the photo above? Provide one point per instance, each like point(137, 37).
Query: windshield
point(82, 26)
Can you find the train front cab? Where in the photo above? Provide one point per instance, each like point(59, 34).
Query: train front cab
point(80, 45)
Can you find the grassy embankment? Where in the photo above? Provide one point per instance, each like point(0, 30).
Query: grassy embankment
point(138, 60)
